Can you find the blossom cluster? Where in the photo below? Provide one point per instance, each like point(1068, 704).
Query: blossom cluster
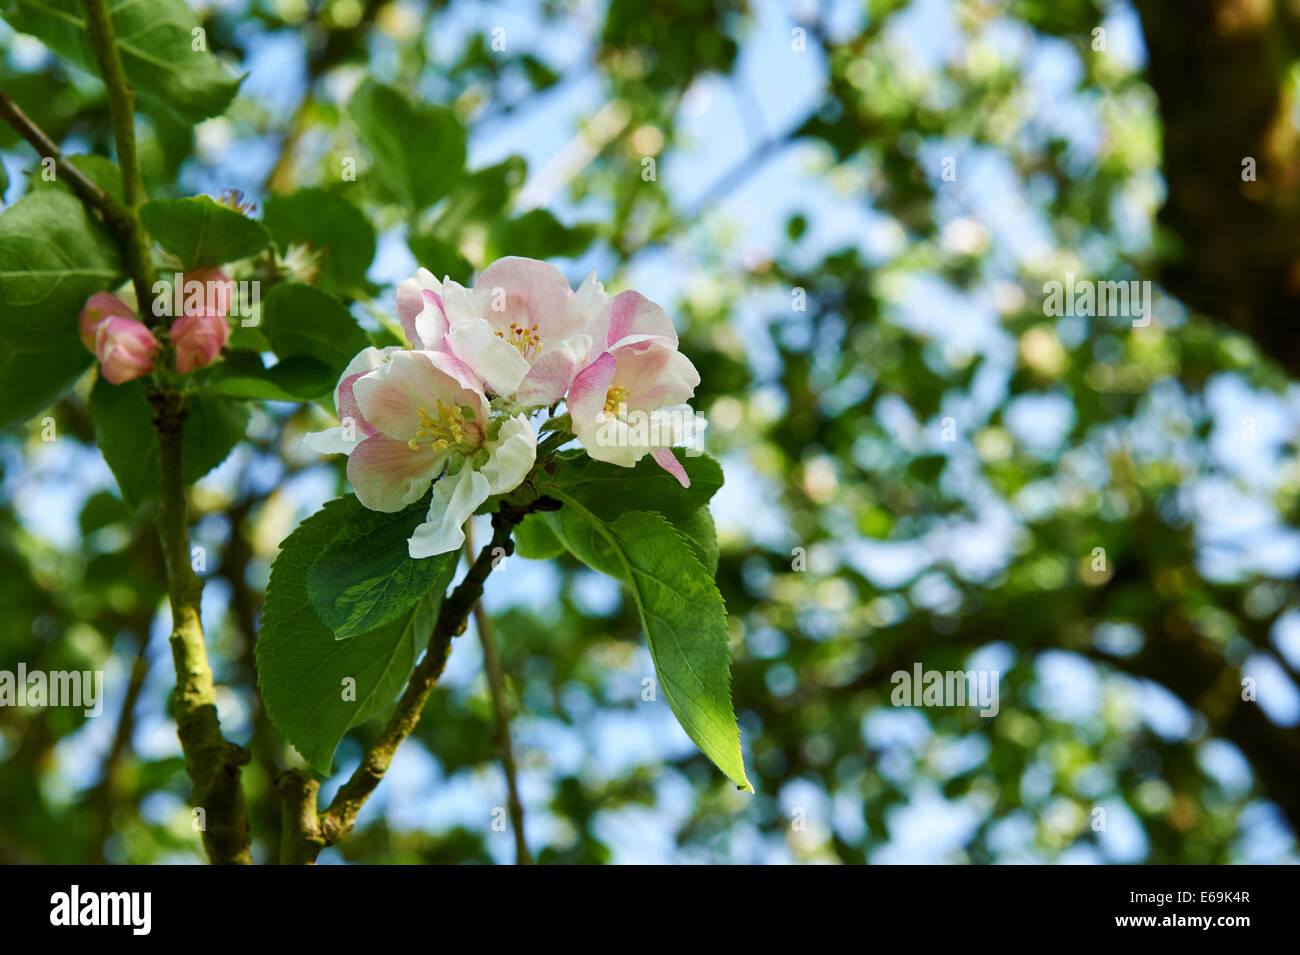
point(453, 406)
point(127, 349)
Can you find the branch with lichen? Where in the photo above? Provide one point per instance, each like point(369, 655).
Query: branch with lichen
point(307, 831)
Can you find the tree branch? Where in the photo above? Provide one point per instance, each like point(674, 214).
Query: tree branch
point(338, 820)
point(121, 108)
point(86, 190)
point(120, 219)
point(212, 762)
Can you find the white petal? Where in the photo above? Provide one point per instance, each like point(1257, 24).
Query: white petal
point(511, 456)
point(331, 441)
point(458, 302)
point(455, 498)
point(368, 359)
point(498, 363)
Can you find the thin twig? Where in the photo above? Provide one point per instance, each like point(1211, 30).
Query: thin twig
point(497, 690)
point(338, 820)
point(87, 191)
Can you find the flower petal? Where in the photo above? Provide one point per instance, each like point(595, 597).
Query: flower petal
point(586, 400)
point(412, 297)
point(431, 323)
point(654, 375)
point(332, 440)
point(529, 292)
point(496, 362)
point(388, 475)
point(455, 498)
point(632, 314)
point(552, 373)
point(668, 461)
point(390, 396)
point(511, 456)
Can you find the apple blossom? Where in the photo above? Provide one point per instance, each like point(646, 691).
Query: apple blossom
point(418, 418)
point(124, 345)
point(521, 328)
point(630, 399)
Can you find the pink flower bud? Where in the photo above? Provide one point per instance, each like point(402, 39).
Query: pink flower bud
point(198, 339)
point(99, 307)
point(125, 349)
point(216, 290)
point(201, 333)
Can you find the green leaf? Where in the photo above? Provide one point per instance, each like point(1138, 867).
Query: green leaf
point(296, 378)
point(681, 611)
point(301, 320)
point(366, 576)
point(417, 150)
point(331, 226)
point(482, 199)
point(100, 170)
point(535, 540)
point(302, 667)
point(201, 232)
point(126, 437)
point(156, 41)
point(608, 490)
point(698, 529)
point(53, 256)
point(100, 510)
point(440, 257)
point(537, 234)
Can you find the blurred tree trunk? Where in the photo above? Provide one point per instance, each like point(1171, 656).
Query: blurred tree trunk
point(1222, 71)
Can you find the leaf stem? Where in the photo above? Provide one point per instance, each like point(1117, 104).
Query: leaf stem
point(121, 108)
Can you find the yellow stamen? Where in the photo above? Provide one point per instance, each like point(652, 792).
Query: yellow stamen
point(613, 398)
point(446, 428)
point(524, 338)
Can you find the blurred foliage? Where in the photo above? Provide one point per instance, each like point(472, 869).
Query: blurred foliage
point(858, 427)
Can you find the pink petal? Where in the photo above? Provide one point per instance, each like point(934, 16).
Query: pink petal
point(388, 475)
point(529, 292)
point(655, 376)
point(586, 399)
point(498, 364)
point(346, 403)
point(98, 307)
point(430, 323)
point(412, 297)
point(391, 396)
point(548, 379)
point(632, 314)
point(668, 461)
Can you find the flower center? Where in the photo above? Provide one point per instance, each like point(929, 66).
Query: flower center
point(524, 338)
point(613, 398)
point(443, 429)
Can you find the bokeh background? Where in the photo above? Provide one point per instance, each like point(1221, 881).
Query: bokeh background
point(851, 213)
